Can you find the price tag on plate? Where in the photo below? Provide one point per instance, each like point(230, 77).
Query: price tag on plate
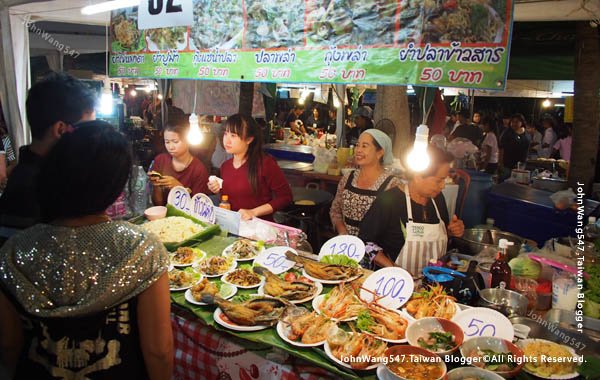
point(346, 245)
point(392, 286)
point(203, 208)
point(180, 199)
point(482, 321)
point(165, 13)
point(274, 259)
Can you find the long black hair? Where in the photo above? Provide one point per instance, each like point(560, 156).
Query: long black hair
point(85, 172)
point(246, 127)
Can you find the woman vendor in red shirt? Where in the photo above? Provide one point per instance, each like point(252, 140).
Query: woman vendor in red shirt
point(177, 167)
point(252, 180)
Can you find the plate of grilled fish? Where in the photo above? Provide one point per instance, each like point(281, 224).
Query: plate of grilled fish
point(294, 291)
point(256, 313)
point(325, 273)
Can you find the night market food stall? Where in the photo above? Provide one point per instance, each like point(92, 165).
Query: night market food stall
point(324, 309)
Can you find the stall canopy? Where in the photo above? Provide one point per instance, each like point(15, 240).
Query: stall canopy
point(16, 15)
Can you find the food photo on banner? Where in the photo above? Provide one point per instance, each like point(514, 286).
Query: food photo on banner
point(455, 43)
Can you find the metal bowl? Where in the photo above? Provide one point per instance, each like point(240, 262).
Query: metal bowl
point(476, 240)
point(509, 303)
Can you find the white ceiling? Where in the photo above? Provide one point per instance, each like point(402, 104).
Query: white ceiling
point(534, 10)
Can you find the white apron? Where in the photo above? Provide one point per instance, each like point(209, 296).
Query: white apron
point(422, 242)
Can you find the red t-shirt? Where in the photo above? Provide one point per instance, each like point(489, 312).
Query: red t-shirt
point(195, 176)
point(272, 187)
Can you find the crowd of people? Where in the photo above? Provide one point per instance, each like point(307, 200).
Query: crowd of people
point(505, 143)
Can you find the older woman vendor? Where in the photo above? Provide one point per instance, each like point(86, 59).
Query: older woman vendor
point(409, 224)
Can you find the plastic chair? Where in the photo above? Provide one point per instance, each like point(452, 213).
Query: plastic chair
point(463, 180)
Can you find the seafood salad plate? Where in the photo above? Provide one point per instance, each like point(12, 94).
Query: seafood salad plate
point(183, 279)
point(324, 272)
point(290, 287)
point(215, 266)
point(244, 249)
point(304, 329)
point(243, 277)
point(186, 256)
point(364, 349)
point(167, 38)
point(249, 313)
point(341, 304)
point(197, 292)
point(432, 302)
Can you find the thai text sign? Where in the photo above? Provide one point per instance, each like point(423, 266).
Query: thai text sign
point(458, 43)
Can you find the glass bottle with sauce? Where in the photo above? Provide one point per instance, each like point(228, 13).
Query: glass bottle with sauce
point(500, 270)
point(225, 202)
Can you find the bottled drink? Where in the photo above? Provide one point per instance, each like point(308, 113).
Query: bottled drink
point(591, 231)
point(225, 202)
point(500, 270)
point(140, 194)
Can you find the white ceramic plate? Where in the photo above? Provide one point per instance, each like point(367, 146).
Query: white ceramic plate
point(408, 319)
point(224, 279)
point(456, 311)
point(227, 252)
point(218, 317)
point(176, 264)
point(317, 302)
point(482, 321)
point(384, 374)
point(187, 287)
point(346, 365)
point(196, 266)
point(227, 291)
point(524, 342)
point(283, 331)
point(329, 282)
point(261, 291)
point(394, 285)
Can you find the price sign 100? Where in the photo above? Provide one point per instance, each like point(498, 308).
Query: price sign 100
point(390, 286)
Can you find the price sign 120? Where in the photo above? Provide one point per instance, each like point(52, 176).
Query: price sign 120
point(165, 13)
point(346, 245)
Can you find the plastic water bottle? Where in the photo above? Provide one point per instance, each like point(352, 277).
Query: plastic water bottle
point(591, 231)
point(140, 201)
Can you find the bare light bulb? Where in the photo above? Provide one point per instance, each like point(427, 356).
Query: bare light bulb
point(194, 136)
point(159, 96)
point(133, 93)
point(418, 159)
point(546, 103)
point(336, 102)
point(106, 102)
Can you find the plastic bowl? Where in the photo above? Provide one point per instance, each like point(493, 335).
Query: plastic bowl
point(496, 345)
point(395, 354)
point(422, 327)
point(472, 372)
point(156, 212)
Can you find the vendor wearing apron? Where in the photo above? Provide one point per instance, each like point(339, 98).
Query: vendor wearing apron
point(408, 225)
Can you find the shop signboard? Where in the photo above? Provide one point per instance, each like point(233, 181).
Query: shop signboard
point(457, 43)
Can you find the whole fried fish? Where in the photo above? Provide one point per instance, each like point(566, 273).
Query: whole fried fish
point(332, 272)
point(264, 311)
point(276, 287)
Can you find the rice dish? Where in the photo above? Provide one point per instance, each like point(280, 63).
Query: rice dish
point(173, 228)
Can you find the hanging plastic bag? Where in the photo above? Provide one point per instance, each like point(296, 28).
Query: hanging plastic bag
point(563, 199)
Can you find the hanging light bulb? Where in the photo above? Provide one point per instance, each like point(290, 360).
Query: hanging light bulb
point(106, 102)
point(160, 97)
point(336, 102)
point(133, 93)
point(546, 103)
point(418, 159)
point(195, 135)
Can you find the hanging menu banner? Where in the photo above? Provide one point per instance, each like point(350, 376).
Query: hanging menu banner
point(455, 43)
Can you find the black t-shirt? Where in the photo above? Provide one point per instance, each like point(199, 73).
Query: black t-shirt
point(471, 132)
point(291, 117)
point(18, 205)
point(515, 148)
point(321, 123)
point(383, 222)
